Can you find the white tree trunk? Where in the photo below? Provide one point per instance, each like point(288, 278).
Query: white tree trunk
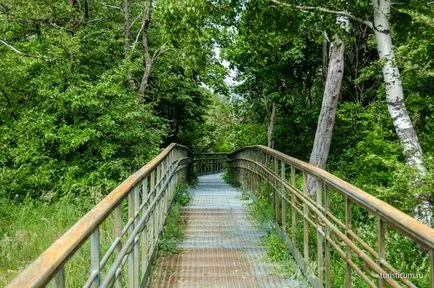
point(271, 126)
point(395, 102)
point(326, 121)
point(394, 91)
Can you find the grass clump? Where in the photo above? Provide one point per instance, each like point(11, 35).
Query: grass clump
point(229, 177)
point(277, 250)
point(194, 180)
point(29, 227)
point(174, 226)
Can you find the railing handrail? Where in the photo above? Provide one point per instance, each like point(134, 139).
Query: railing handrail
point(213, 153)
point(52, 260)
point(420, 232)
point(41, 270)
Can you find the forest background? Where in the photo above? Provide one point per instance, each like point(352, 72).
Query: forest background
point(91, 90)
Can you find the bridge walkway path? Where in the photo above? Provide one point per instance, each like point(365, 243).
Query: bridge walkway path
point(222, 244)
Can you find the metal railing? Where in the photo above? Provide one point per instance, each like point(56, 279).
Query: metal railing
point(115, 242)
point(135, 212)
point(209, 163)
point(340, 231)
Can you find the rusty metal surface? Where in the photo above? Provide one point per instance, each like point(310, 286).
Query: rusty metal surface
point(222, 244)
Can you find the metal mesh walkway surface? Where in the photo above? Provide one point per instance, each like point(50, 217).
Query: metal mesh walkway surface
point(222, 244)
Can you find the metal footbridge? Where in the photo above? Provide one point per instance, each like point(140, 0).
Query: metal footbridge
point(116, 243)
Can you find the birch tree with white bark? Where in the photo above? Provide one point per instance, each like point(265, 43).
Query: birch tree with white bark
point(404, 128)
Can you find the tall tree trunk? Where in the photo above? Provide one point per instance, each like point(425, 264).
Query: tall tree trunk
point(148, 59)
point(394, 91)
point(127, 38)
point(324, 130)
point(127, 24)
point(271, 126)
point(325, 57)
point(395, 103)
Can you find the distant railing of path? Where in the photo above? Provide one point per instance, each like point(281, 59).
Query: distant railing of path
point(209, 163)
point(114, 243)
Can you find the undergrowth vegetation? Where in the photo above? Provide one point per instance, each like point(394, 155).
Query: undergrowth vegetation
point(399, 248)
point(276, 248)
point(29, 227)
point(229, 177)
point(174, 226)
point(74, 121)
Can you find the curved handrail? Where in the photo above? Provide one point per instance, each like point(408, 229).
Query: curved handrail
point(394, 217)
point(41, 270)
point(50, 263)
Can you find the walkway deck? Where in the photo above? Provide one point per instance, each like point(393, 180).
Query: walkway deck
point(222, 245)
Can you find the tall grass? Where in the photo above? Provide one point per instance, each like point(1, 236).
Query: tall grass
point(28, 228)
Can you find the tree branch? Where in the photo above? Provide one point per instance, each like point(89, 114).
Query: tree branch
point(137, 38)
point(145, 26)
point(148, 59)
point(127, 26)
point(111, 6)
point(135, 19)
point(18, 51)
point(160, 51)
point(329, 11)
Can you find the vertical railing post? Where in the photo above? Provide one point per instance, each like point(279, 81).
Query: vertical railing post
point(131, 260)
point(258, 179)
point(431, 261)
point(155, 212)
point(293, 205)
point(275, 190)
point(145, 229)
point(59, 278)
point(248, 166)
point(151, 219)
point(381, 232)
point(348, 209)
point(94, 257)
point(283, 176)
point(328, 273)
point(118, 233)
point(305, 223)
point(136, 238)
point(160, 201)
point(267, 162)
point(320, 238)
